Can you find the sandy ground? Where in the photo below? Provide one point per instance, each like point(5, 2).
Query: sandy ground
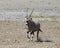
point(13, 35)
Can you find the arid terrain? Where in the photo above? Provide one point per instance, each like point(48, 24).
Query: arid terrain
point(13, 35)
point(13, 29)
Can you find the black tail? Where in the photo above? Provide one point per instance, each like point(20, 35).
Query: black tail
point(40, 30)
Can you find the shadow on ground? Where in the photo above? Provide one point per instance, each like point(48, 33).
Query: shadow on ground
point(43, 40)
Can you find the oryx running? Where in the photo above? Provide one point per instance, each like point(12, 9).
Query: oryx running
point(32, 27)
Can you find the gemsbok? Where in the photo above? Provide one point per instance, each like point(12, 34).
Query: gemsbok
point(32, 27)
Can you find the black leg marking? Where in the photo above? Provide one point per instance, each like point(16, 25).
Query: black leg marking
point(32, 34)
point(28, 35)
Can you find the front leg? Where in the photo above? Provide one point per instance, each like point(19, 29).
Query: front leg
point(31, 36)
point(28, 35)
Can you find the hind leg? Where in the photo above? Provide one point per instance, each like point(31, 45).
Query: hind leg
point(37, 35)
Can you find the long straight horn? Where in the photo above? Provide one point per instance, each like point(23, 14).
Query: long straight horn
point(31, 13)
point(26, 13)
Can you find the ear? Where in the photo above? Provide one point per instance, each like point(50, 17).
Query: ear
point(26, 19)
